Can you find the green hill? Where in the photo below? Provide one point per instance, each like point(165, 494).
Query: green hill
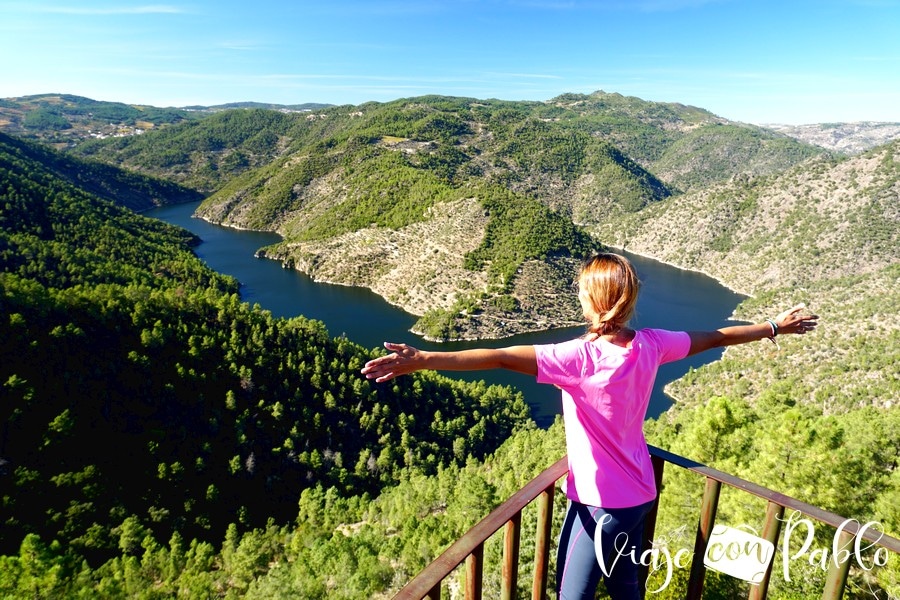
point(178, 421)
point(342, 184)
point(203, 153)
point(64, 120)
point(825, 233)
point(126, 188)
point(140, 397)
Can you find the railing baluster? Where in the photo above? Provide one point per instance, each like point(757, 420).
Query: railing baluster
point(435, 592)
point(470, 547)
point(511, 557)
point(839, 567)
point(542, 543)
point(770, 532)
point(650, 522)
point(474, 573)
point(704, 529)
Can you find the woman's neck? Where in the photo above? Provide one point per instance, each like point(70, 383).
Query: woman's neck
point(620, 337)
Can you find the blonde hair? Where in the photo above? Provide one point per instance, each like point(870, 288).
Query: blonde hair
point(608, 285)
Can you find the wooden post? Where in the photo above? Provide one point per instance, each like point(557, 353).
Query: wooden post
point(510, 575)
point(704, 530)
point(474, 573)
point(770, 532)
point(542, 543)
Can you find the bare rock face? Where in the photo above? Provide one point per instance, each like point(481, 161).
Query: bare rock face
point(420, 268)
point(417, 268)
point(846, 138)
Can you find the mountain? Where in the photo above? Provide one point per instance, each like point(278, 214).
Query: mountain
point(827, 233)
point(846, 138)
point(499, 191)
point(205, 152)
point(141, 397)
point(306, 106)
point(65, 120)
point(126, 188)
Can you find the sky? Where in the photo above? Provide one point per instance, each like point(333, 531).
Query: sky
point(754, 61)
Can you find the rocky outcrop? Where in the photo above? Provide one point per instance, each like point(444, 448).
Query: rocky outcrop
point(420, 268)
point(847, 138)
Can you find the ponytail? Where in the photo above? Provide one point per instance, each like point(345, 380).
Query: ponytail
point(608, 285)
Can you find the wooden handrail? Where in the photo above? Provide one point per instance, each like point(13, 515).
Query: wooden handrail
point(819, 514)
point(470, 546)
point(423, 584)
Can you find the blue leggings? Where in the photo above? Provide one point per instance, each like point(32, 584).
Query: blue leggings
point(578, 569)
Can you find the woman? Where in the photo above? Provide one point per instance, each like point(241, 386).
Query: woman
point(606, 377)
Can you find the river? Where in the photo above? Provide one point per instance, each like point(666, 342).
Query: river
point(671, 298)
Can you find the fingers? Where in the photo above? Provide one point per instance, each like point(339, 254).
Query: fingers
point(794, 321)
point(381, 378)
point(378, 366)
point(378, 371)
point(385, 368)
point(792, 311)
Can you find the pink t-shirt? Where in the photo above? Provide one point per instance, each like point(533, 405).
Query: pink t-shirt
point(605, 394)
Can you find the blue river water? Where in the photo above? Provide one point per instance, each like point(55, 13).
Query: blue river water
point(671, 298)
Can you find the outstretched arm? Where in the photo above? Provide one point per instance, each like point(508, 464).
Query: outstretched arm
point(405, 359)
point(790, 321)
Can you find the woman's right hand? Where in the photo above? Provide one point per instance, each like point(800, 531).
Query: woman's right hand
point(402, 360)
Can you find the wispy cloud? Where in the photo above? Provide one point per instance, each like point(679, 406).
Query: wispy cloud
point(147, 9)
point(524, 75)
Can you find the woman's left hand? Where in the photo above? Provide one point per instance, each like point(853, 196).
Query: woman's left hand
point(796, 320)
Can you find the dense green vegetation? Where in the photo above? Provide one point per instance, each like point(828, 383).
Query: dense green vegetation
point(65, 119)
point(145, 407)
point(70, 110)
point(161, 438)
point(201, 154)
point(133, 190)
point(545, 148)
point(320, 175)
point(520, 229)
point(115, 112)
point(44, 119)
point(358, 546)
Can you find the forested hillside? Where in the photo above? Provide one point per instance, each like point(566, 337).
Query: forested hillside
point(142, 402)
point(178, 420)
point(126, 188)
point(361, 181)
point(826, 233)
point(65, 120)
point(62, 120)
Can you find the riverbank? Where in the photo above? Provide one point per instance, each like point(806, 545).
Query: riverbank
point(675, 265)
point(369, 320)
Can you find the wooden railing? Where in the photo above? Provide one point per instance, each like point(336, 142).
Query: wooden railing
point(470, 547)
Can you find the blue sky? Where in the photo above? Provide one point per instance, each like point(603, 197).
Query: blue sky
point(755, 61)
